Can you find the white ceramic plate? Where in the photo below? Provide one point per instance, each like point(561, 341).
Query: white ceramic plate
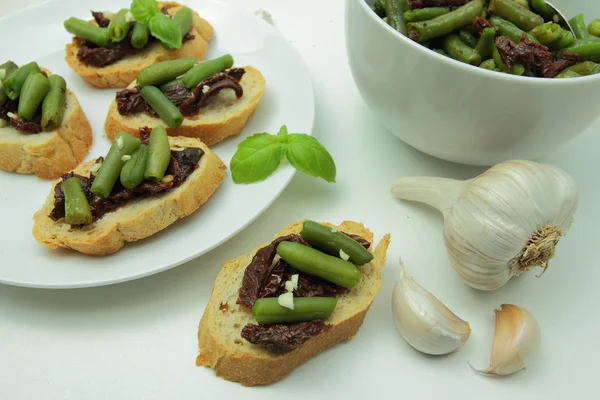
point(37, 34)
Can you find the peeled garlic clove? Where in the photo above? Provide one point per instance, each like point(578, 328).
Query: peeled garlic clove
point(516, 339)
point(424, 321)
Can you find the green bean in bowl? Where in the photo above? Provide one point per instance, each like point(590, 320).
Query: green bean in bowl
point(518, 37)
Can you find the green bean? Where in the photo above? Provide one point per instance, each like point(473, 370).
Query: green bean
point(485, 45)
point(334, 242)
point(55, 102)
point(547, 33)
point(584, 68)
point(543, 9)
point(140, 35)
point(119, 27)
point(269, 311)
point(517, 69)
point(424, 14)
point(579, 28)
point(77, 208)
point(123, 145)
point(512, 12)
point(488, 64)
point(183, 18)
point(522, 3)
point(457, 49)
point(34, 90)
point(509, 29)
point(393, 12)
point(445, 24)
point(166, 110)
point(159, 154)
point(567, 74)
point(589, 47)
point(314, 262)
point(379, 8)
point(88, 31)
point(594, 27)
point(164, 71)
point(468, 38)
point(566, 39)
point(14, 84)
point(166, 86)
point(132, 173)
point(206, 69)
point(6, 70)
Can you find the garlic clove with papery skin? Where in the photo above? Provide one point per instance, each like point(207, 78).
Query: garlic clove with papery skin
point(517, 338)
point(424, 321)
point(502, 223)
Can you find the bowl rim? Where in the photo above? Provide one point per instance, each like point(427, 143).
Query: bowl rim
point(455, 64)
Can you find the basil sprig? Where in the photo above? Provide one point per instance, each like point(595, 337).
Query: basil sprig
point(160, 25)
point(259, 155)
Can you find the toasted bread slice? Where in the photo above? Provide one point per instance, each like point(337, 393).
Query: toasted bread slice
point(223, 115)
point(121, 73)
point(52, 153)
point(233, 358)
point(139, 218)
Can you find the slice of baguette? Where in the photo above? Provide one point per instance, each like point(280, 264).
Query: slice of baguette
point(139, 218)
point(122, 72)
point(223, 115)
point(48, 154)
point(233, 358)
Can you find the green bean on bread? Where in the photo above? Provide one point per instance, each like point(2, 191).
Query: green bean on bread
point(53, 107)
point(165, 109)
point(334, 242)
point(536, 41)
point(314, 262)
point(164, 71)
point(140, 35)
point(159, 154)
point(88, 31)
point(124, 145)
point(269, 311)
point(77, 207)
point(206, 69)
point(34, 90)
point(132, 173)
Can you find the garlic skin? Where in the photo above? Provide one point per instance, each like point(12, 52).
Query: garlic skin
point(517, 338)
point(424, 321)
point(506, 221)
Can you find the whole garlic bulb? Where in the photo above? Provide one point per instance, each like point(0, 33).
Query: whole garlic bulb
point(506, 221)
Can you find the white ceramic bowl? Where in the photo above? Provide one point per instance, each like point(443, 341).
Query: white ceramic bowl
point(462, 113)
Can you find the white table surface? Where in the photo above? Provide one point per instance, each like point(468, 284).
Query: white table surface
point(137, 340)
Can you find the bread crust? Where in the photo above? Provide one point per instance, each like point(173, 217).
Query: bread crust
point(208, 130)
point(48, 154)
point(121, 73)
point(251, 365)
point(138, 219)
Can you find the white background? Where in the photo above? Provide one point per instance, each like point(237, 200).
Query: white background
point(137, 340)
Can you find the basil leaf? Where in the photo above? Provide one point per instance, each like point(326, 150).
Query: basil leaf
point(256, 158)
point(307, 155)
point(143, 10)
point(283, 132)
point(164, 29)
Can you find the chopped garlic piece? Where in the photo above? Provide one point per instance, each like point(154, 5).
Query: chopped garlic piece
point(11, 115)
point(289, 286)
point(333, 230)
point(205, 89)
point(120, 143)
point(126, 157)
point(286, 300)
point(295, 281)
point(95, 168)
point(344, 256)
point(128, 17)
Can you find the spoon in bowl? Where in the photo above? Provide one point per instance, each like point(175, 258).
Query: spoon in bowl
point(557, 17)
